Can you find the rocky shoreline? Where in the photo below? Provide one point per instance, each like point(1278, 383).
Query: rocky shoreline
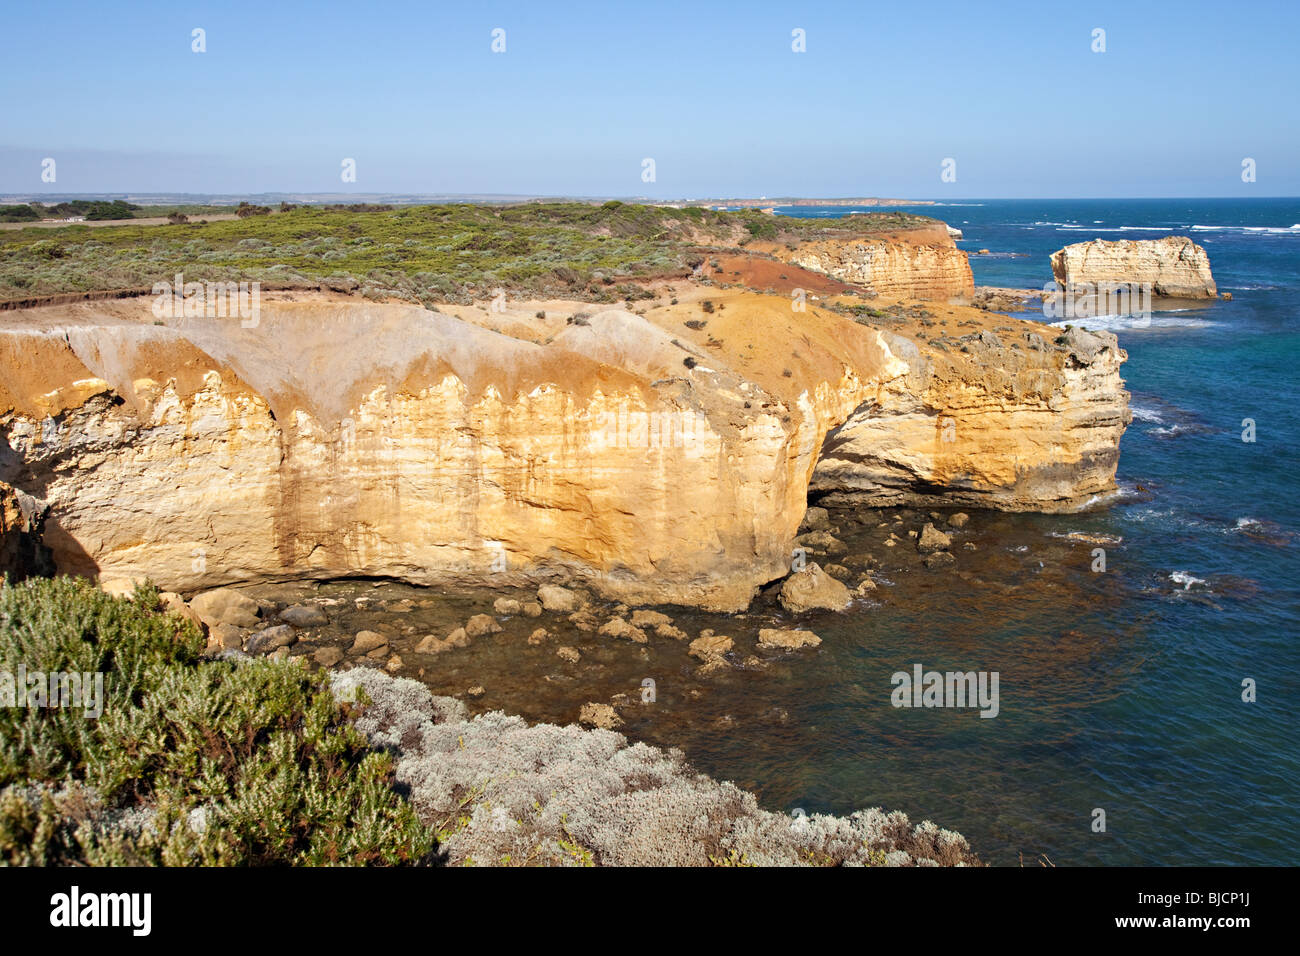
point(594, 493)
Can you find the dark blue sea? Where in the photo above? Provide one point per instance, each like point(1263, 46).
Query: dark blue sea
point(1120, 691)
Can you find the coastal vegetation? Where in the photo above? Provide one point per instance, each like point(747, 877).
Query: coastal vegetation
point(414, 253)
point(191, 761)
point(196, 760)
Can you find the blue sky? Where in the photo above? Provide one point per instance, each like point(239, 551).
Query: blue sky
point(712, 92)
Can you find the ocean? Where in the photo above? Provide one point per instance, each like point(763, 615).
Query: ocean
point(1120, 691)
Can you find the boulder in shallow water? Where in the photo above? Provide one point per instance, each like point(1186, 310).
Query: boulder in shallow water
point(932, 539)
point(649, 619)
point(557, 599)
point(481, 624)
point(367, 642)
point(601, 716)
point(304, 615)
point(710, 647)
point(821, 541)
point(617, 627)
point(812, 589)
point(773, 638)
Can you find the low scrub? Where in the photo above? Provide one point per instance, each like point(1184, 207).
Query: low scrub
point(191, 761)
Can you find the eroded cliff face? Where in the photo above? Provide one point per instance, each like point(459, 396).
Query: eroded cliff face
point(1035, 426)
point(1174, 266)
point(659, 463)
point(916, 264)
point(22, 521)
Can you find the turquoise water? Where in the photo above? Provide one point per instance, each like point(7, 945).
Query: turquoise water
point(1120, 690)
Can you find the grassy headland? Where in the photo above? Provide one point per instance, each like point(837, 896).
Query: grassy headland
point(439, 253)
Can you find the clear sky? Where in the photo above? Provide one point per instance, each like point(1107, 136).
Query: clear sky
point(712, 92)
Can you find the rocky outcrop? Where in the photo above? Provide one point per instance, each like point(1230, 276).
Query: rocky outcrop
point(650, 460)
point(1032, 424)
point(812, 589)
point(22, 520)
point(1173, 267)
point(918, 264)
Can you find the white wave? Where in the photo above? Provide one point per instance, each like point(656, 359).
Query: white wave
point(1133, 323)
point(1270, 230)
point(1186, 580)
point(1086, 537)
point(1063, 228)
point(1145, 414)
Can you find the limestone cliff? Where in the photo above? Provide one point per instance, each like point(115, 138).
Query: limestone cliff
point(1036, 428)
point(915, 264)
point(661, 462)
point(1174, 266)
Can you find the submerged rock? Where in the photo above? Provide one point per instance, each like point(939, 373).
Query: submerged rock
point(710, 647)
point(482, 624)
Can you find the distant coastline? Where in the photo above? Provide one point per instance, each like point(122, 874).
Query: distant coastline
point(413, 199)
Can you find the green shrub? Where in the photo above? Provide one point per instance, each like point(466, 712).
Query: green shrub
point(192, 761)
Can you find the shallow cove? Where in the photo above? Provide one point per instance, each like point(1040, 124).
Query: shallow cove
point(815, 729)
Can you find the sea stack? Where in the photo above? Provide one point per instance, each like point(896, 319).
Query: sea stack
point(1174, 267)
